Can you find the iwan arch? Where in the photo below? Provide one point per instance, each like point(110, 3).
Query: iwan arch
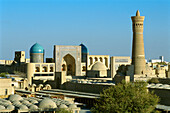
point(68, 59)
point(68, 65)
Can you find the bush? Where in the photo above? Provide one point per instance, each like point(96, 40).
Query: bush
point(126, 98)
point(3, 75)
point(63, 111)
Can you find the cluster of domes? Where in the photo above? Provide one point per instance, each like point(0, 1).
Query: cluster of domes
point(34, 104)
point(63, 104)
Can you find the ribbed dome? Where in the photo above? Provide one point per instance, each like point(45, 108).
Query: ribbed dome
point(23, 107)
point(10, 107)
point(34, 101)
point(37, 48)
point(15, 97)
point(72, 106)
point(98, 66)
point(33, 107)
point(83, 48)
point(63, 106)
point(47, 103)
point(2, 107)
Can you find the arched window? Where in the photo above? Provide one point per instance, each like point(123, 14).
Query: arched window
point(51, 69)
point(48, 87)
point(37, 69)
point(106, 62)
point(91, 60)
point(96, 59)
point(84, 68)
point(63, 67)
point(40, 87)
point(44, 69)
point(101, 59)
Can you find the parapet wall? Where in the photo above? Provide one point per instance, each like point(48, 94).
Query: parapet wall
point(89, 88)
point(164, 80)
point(164, 95)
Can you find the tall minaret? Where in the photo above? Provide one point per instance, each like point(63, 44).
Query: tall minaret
point(138, 54)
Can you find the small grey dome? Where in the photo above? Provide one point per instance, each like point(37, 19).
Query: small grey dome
point(28, 104)
point(10, 107)
point(63, 106)
point(15, 97)
point(17, 105)
point(33, 107)
point(16, 102)
point(23, 107)
point(72, 106)
point(47, 103)
point(7, 102)
point(25, 102)
point(34, 101)
point(2, 107)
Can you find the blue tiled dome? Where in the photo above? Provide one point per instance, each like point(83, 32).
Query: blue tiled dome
point(83, 48)
point(37, 48)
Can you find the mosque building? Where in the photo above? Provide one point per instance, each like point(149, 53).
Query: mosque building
point(75, 62)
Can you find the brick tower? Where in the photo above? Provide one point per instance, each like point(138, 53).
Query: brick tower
point(138, 54)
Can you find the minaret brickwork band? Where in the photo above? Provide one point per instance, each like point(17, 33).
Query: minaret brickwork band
point(138, 55)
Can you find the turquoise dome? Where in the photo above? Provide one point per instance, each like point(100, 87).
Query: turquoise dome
point(83, 48)
point(37, 48)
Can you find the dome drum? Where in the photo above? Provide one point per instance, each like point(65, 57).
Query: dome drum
point(37, 54)
point(98, 70)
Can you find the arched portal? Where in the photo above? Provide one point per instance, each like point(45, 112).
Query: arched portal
point(70, 64)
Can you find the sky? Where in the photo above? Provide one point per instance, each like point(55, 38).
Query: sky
point(104, 26)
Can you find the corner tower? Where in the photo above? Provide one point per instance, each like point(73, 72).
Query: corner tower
point(138, 54)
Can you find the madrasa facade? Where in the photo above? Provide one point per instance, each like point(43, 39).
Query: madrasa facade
point(71, 61)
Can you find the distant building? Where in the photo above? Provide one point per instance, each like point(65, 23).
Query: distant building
point(117, 61)
point(6, 87)
point(161, 59)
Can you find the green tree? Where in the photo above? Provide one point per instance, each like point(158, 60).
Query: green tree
point(126, 98)
point(3, 74)
point(63, 111)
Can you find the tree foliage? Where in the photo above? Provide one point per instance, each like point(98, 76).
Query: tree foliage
point(125, 98)
point(161, 63)
point(63, 111)
point(4, 74)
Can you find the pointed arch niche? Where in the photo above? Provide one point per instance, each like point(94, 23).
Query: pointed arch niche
point(69, 65)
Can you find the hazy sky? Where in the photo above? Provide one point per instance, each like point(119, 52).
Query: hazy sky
point(104, 26)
